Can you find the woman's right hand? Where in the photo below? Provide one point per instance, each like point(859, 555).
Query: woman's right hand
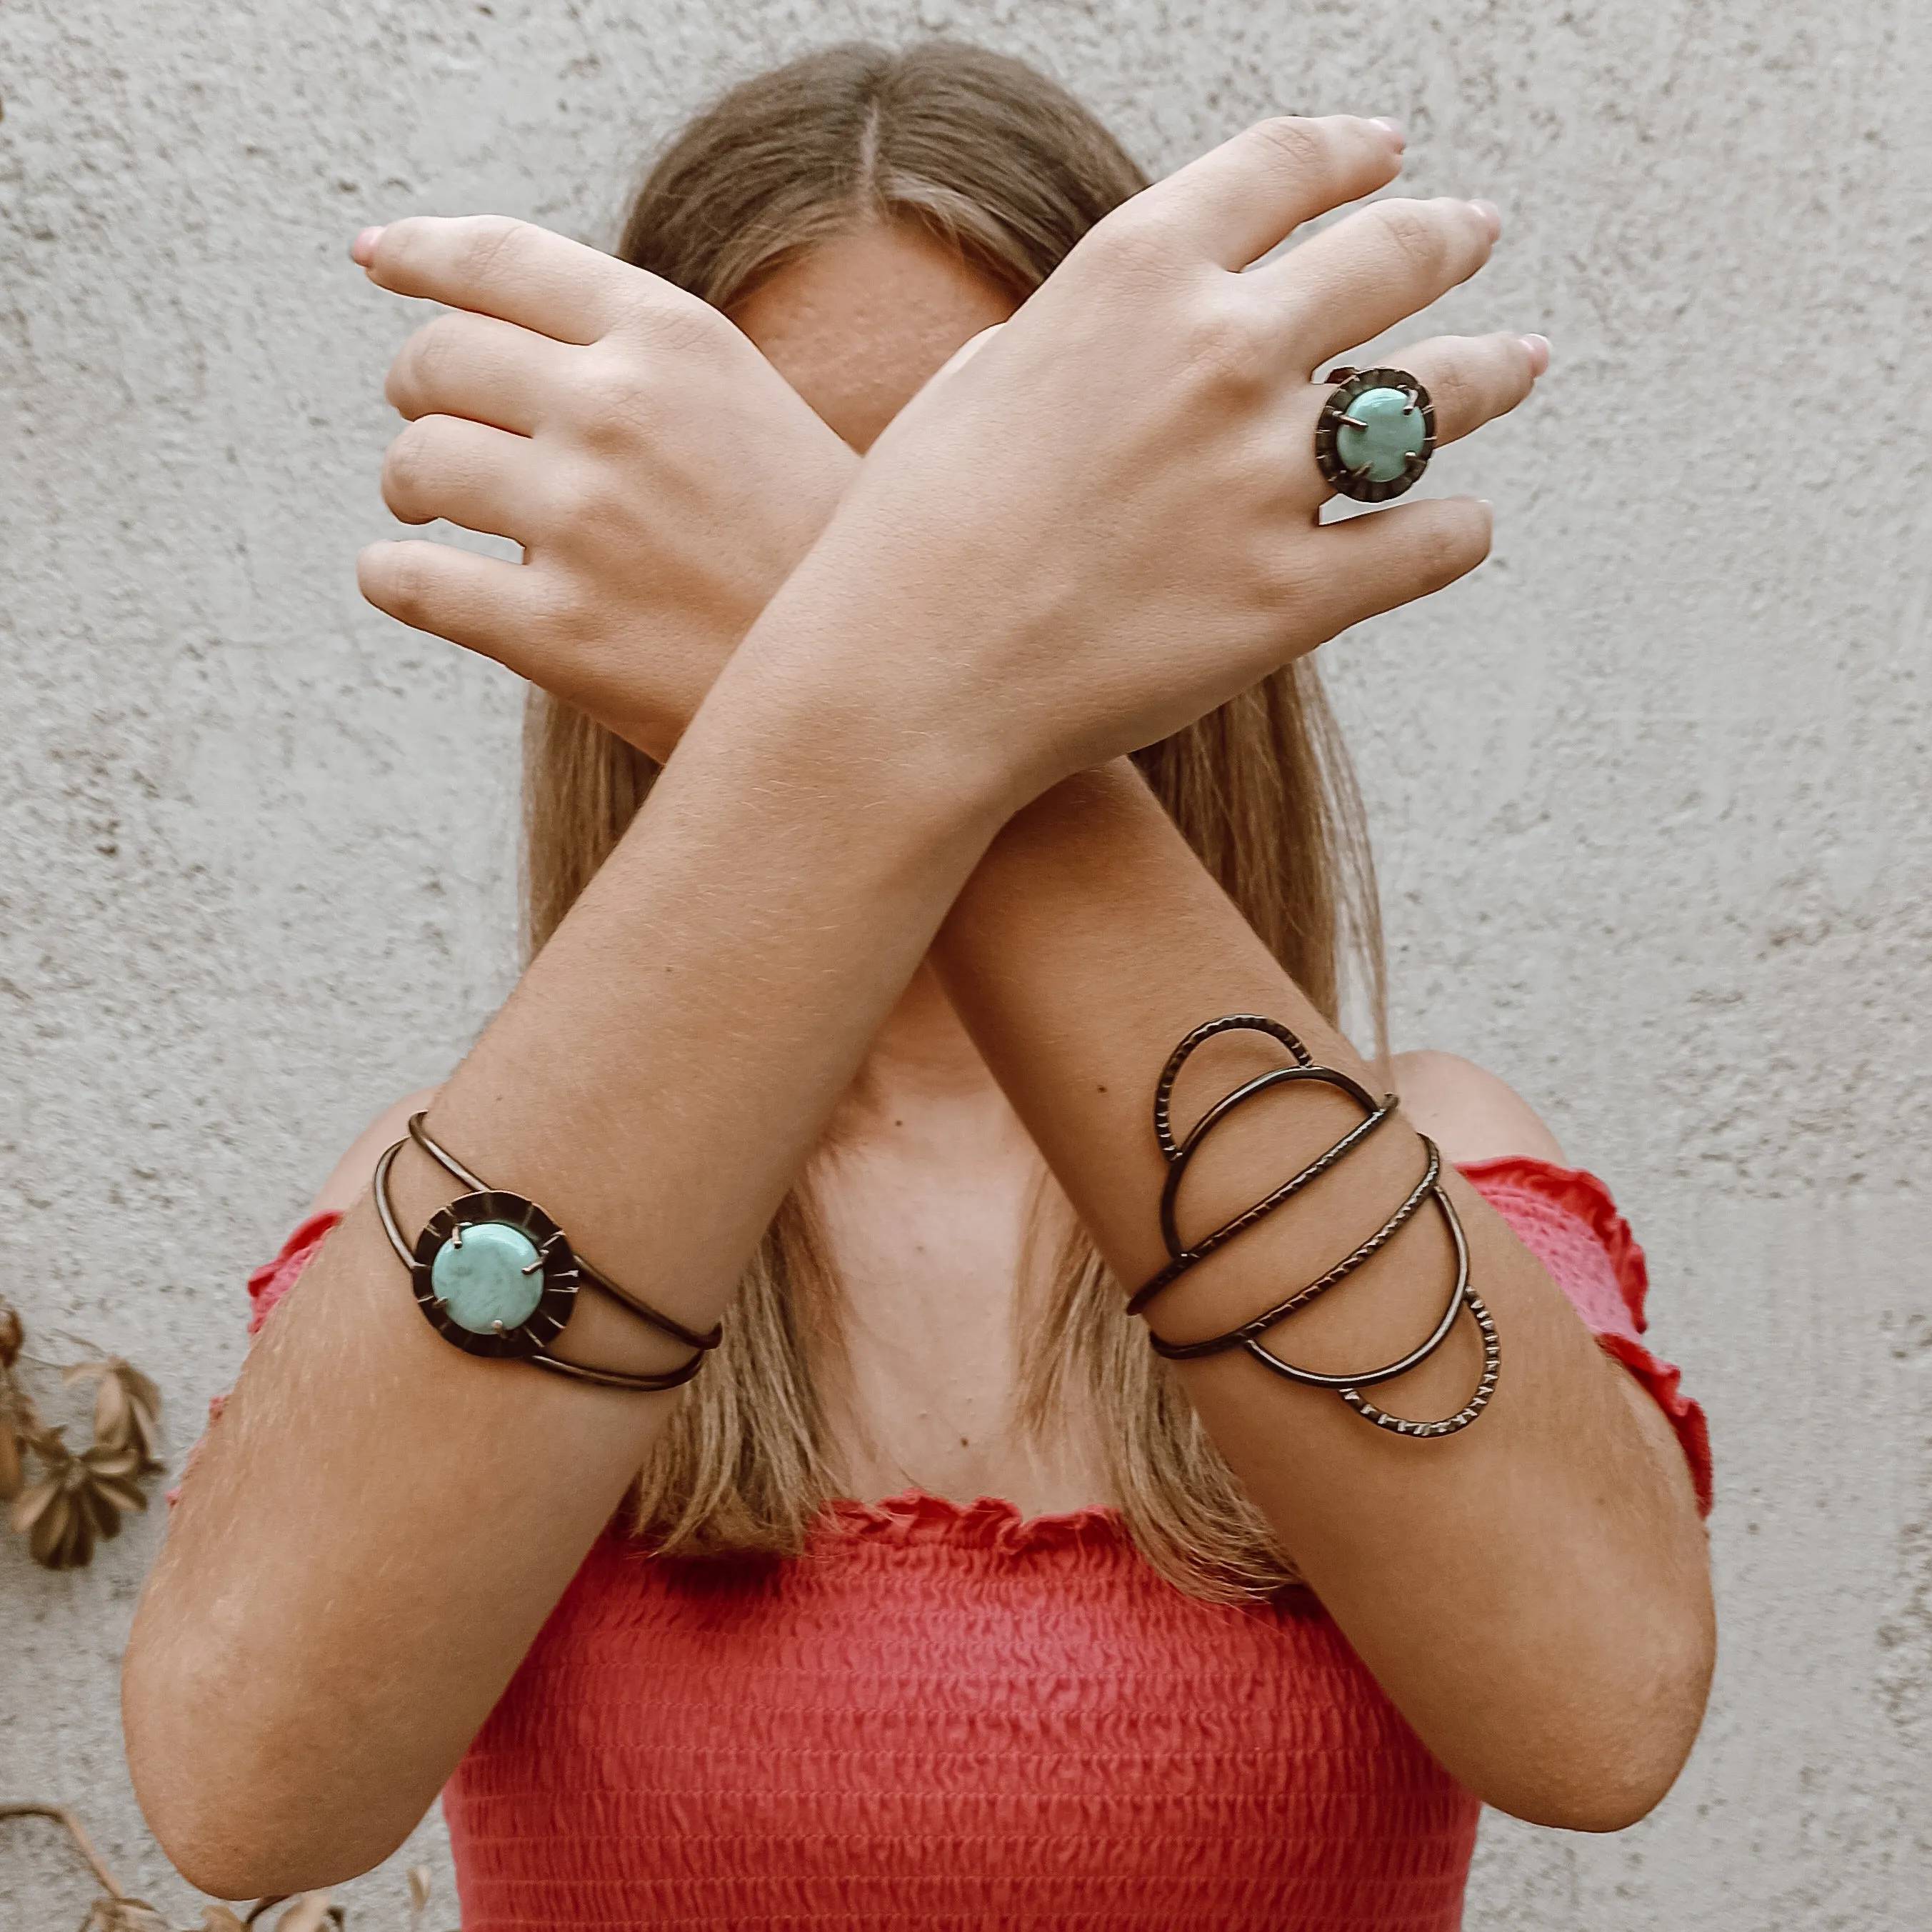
point(662, 478)
point(1106, 521)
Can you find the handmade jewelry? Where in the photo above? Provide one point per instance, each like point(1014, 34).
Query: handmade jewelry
point(494, 1276)
point(1428, 1191)
point(1375, 433)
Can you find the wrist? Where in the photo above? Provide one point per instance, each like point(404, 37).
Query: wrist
point(831, 680)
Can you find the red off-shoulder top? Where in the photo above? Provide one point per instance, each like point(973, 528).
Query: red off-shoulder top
point(943, 1717)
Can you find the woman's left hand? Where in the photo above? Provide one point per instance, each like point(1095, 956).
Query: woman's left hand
point(661, 477)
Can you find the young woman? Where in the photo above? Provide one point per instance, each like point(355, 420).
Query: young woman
point(939, 1594)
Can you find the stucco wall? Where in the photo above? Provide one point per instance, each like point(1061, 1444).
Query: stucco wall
point(1644, 789)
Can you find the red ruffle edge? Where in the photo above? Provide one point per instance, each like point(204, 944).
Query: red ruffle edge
point(273, 1280)
point(988, 1522)
point(1582, 1196)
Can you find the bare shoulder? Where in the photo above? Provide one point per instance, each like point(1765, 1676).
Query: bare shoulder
point(339, 1192)
point(1469, 1113)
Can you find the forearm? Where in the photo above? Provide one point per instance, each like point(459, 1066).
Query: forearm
point(1530, 1591)
point(371, 1495)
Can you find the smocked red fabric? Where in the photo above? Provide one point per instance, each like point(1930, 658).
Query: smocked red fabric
point(942, 1716)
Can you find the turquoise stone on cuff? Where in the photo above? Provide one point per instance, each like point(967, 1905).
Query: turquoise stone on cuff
point(482, 1282)
point(1392, 432)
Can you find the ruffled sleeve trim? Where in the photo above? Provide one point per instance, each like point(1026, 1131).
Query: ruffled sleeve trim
point(1567, 1219)
point(273, 1280)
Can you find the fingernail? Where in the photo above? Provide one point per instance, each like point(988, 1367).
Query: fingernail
point(363, 247)
point(1492, 214)
point(1538, 347)
point(1392, 129)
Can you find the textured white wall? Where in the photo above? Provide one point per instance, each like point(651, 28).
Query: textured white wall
point(1644, 789)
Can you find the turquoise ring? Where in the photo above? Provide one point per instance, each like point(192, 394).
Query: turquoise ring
point(1375, 433)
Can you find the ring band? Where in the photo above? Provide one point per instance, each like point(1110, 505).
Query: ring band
point(1376, 434)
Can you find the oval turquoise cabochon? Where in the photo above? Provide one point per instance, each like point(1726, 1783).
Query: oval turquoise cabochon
point(484, 1282)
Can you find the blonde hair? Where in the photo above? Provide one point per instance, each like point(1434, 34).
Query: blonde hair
point(1003, 165)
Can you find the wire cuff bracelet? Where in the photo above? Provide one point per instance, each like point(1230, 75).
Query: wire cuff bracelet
point(1429, 1190)
point(495, 1276)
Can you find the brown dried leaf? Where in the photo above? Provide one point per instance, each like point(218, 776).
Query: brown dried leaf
point(118, 1491)
point(124, 1915)
point(99, 1510)
point(219, 1918)
point(116, 1459)
point(111, 1410)
point(307, 1915)
point(11, 1336)
point(419, 1882)
point(13, 1470)
point(63, 1534)
point(127, 1407)
point(33, 1505)
point(142, 1390)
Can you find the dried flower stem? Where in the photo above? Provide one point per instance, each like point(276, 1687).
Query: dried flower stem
point(61, 1815)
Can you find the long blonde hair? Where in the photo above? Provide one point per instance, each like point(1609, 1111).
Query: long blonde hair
point(1000, 163)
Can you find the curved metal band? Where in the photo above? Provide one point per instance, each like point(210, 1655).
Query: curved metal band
point(1492, 1360)
point(595, 1277)
point(1177, 1153)
point(1183, 1351)
point(645, 1383)
point(1416, 1356)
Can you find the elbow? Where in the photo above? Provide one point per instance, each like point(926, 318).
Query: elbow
point(250, 1850)
point(1611, 1798)
point(239, 1814)
point(1604, 1762)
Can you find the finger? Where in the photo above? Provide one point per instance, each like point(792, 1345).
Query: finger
point(1371, 564)
point(512, 270)
point(481, 603)
point(1471, 379)
point(475, 366)
point(464, 472)
point(1373, 270)
point(1241, 199)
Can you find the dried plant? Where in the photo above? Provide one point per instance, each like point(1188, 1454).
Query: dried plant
point(82, 1494)
point(114, 1911)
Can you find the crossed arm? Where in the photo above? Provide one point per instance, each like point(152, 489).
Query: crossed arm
point(872, 776)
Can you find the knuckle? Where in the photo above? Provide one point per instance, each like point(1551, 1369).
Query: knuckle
point(485, 240)
point(1229, 337)
point(617, 391)
point(1415, 233)
point(1134, 244)
point(396, 579)
point(679, 323)
point(408, 470)
point(1294, 145)
point(422, 362)
point(1442, 548)
point(1458, 395)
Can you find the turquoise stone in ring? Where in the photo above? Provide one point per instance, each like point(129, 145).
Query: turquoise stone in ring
point(1382, 429)
point(486, 1276)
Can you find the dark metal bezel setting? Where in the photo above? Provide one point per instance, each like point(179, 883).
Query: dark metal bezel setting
point(1346, 482)
point(562, 1277)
